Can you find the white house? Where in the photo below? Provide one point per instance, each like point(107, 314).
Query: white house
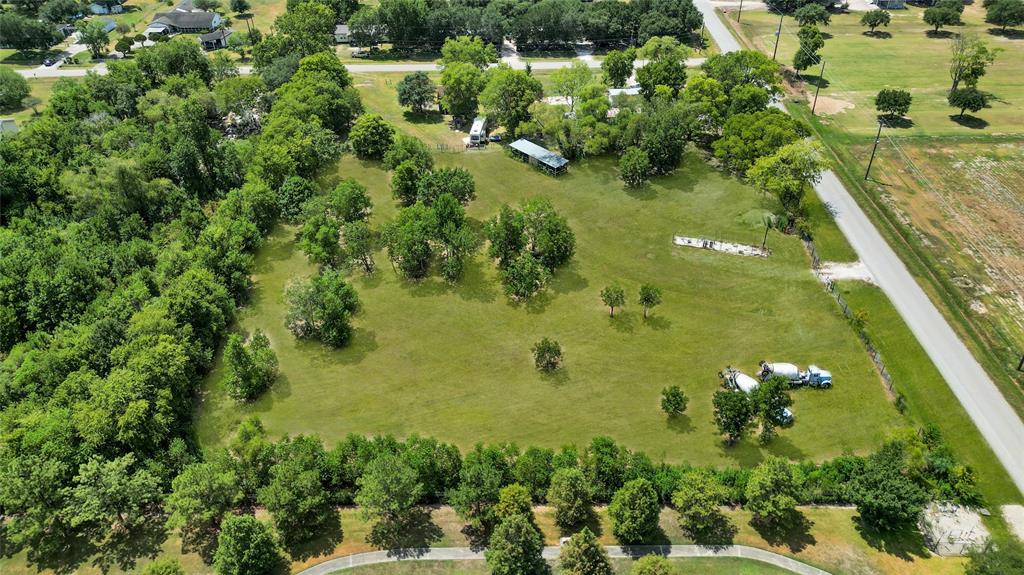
point(104, 7)
point(185, 18)
point(341, 34)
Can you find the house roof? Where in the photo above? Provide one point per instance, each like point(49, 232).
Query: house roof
point(543, 155)
point(223, 33)
point(185, 19)
point(341, 29)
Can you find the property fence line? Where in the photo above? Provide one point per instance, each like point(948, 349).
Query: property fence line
point(830, 286)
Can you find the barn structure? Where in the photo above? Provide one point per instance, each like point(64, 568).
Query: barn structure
point(543, 158)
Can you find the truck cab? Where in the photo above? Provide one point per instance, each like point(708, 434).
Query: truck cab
point(817, 377)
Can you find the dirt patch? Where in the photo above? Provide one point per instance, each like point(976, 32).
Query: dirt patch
point(1014, 516)
point(845, 271)
point(830, 106)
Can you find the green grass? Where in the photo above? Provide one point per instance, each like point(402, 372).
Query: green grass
point(858, 66)
point(24, 58)
point(716, 566)
point(454, 361)
point(42, 88)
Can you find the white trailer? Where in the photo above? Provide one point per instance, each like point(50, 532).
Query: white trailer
point(787, 370)
point(478, 132)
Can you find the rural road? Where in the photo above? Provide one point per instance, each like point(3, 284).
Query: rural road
point(54, 72)
point(984, 403)
point(550, 553)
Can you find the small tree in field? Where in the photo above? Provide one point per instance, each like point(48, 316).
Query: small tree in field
point(967, 99)
point(652, 565)
point(673, 400)
point(650, 296)
point(613, 296)
point(547, 355)
point(583, 555)
point(245, 547)
point(634, 166)
point(371, 136)
point(569, 494)
point(812, 14)
point(771, 492)
point(251, 368)
point(1005, 13)
point(733, 414)
point(416, 91)
point(939, 16)
point(634, 512)
point(893, 103)
point(875, 18)
point(516, 548)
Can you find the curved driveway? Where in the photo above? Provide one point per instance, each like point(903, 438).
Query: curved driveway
point(551, 553)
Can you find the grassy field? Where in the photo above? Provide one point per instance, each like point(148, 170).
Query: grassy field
point(858, 66)
point(830, 539)
point(718, 566)
point(454, 361)
point(42, 88)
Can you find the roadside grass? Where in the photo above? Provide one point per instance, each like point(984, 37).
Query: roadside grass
point(716, 566)
point(830, 539)
point(858, 66)
point(25, 58)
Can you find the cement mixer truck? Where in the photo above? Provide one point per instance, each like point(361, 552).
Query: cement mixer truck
point(739, 381)
point(813, 377)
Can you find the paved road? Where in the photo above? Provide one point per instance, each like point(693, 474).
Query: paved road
point(551, 553)
point(984, 403)
point(54, 72)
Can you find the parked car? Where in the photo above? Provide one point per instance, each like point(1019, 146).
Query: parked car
point(494, 138)
point(49, 61)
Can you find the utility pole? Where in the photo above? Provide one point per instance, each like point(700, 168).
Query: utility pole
point(778, 33)
point(702, 41)
point(821, 78)
point(873, 150)
point(740, 13)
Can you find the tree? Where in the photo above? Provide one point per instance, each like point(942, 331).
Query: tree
point(939, 16)
point(480, 479)
point(886, 498)
point(652, 565)
point(371, 136)
point(388, 489)
point(613, 296)
point(663, 48)
point(788, 172)
point(349, 201)
point(1005, 13)
point(698, 498)
point(634, 512)
point(292, 195)
point(667, 72)
point(163, 567)
point(570, 81)
point(506, 233)
point(408, 239)
point(245, 547)
point(650, 297)
point(875, 18)
point(462, 84)
point(743, 67)
point(318, 237)
point(733, 414)
point(295, 495)
point(996, 558)
point(58, 11)
point(513, 500)
point(515, 548)
point(95, 36)
point(967, 99)
point(583, 555)
point(405, 182)
point(406, 147)
point(893, 103)
point(548, 236)
point(111, 499)
point(359, 244)
point(770, 400)
point(673, 400)
point(569, 494)
point(13, 89)
point(811, 41)
point(634, 167)
point(239, 6)
point(747, 137)
point(970, 61)
point(524, 277)
point(250, 368)
point(812, 14)
point(508, 94)
point(468, 50)
point(404, 20)
point(366, 28)
point(201, 496)
point(771, 492)
point(618, 66)
point(124, 45)
point(322, 308)
point(417, 91)
point(547, 355)
point(457, 182)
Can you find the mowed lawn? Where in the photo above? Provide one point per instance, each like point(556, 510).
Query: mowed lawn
point(454, 361)
point(858, 66)
point(716, 566)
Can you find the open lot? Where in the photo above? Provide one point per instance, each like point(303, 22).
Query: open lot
point(858, 66)
point(42, 88)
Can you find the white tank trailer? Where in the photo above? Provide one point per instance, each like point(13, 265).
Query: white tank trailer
point(813, 377)
point(739, 381)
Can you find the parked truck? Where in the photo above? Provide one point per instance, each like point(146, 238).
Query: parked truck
point(813, 377)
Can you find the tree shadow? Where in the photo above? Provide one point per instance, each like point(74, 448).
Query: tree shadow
point(202, 542)
point(1009, 34)
point(880, 34)
point(328, 536)
point(125, 549)
point(425, 117)
point(793, 531)
point(658, 322)
point(816, 81)
point(896, 121)
point(568, 280)
point(415, 530)
point(592, 522)
point(679, 423)
point(905, 543)
point(474, 285)
point(784, 447)
point(719, 533)
point(623, 322)
point(557, 377)
point(942, 34)
point(644, 192)
point(62, 554)
point(826, 35)
point(477, 535)
point(969, 121)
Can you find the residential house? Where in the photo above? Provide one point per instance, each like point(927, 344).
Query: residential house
point(103, 7)
point(184, 19)
point(341, 34)
point(215, 40)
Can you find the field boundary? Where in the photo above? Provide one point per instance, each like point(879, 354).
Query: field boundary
point(552, 552)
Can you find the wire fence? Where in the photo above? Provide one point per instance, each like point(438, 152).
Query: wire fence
point(851, 316)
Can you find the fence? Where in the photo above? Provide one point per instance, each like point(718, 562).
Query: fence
point(830, 286)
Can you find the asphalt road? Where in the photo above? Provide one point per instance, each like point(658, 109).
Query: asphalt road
point(984, 403)
point(551, 553)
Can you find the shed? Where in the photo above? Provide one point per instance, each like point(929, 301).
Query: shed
point(109, 25)
point(547, 160)
point(216, 39)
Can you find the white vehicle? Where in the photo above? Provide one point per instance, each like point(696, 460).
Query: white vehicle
point(813, 377)
point(478, 132)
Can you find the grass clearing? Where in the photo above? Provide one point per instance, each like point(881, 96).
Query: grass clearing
point(717, 566)
point(42, 88)
point(858, 66)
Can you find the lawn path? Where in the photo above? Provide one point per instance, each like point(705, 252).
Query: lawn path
point(971, 384)
point(552, 552)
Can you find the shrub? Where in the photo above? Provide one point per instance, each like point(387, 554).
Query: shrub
point(547, 355)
